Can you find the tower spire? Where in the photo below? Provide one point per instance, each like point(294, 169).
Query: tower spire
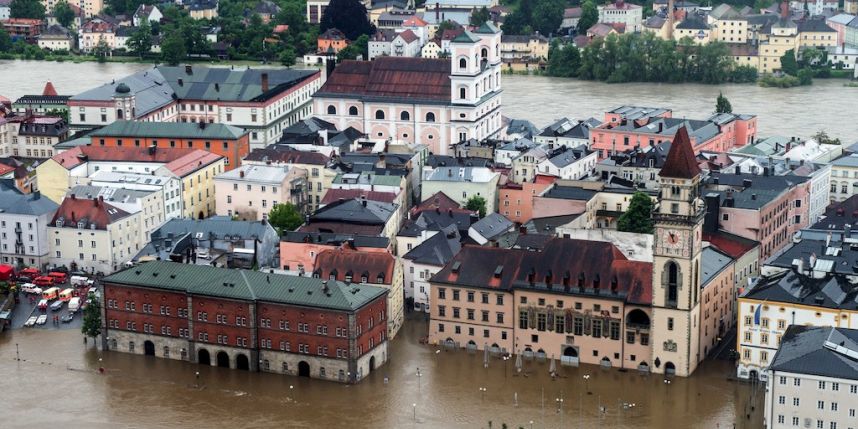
point(681, 162)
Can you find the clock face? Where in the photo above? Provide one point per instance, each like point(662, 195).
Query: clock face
point(672, 239)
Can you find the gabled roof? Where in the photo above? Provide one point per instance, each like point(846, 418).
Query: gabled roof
point(725, 12)
point(821, 351)
point(90, 213)
point(408, 36)
point(342, 263)
point(49, 90)
point(355, 211)
point(439, 201)
point(191, 162)
point(390, 79)
point(681, 162)
point(332, 34)
point(466, 37)
point(287, 155)
point(492, 226)
point(414, 21)
point(438, 249)
point(82, 154)
point(216, 228)
point(814, 26)
point(333, 195)
point(487, 27)
point(693, 23)
point(13, 201)
point(205, 280)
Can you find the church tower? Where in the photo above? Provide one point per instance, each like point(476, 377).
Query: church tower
point(676, 262)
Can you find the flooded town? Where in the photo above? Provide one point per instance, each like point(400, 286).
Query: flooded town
point(512, 214)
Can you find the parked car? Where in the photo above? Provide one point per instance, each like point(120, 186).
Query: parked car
point(31, 288)
point(203, 254)
point(31, 321)
point(42, 319)
point(74, 304)
point(24, 279)
point(57, 305)
point(67, 318)
point(44, 281)
point(29, 272)
point(59, 276)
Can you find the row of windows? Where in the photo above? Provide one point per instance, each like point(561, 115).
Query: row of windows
point(442, 294)
point(380, 115)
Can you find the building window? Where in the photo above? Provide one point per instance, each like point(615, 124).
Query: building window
point(404, 116)
point(353, 111)
point(379, 114)
point(430, 117)
point(332, 110)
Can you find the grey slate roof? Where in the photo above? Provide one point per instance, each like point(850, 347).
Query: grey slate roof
point(803, 351)
point(215, 227)
point(247, 285)
point(763, 189)
point(570, 193)
point(846, 161)
point(548, 225)
point(493, 226)
point(693, 23)
point(790, 287)
point(713, 262)
point(13, 201)
point(335, 239)
point(438, 249)
point(565, 156)
point(354, 211)
point(109, 193)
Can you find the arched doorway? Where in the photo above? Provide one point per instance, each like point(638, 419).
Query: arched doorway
point(669, 368)
point(372, 364)
point(201, 216)
point(222, 359)
point(643, 367)
point(569, 356)
point(303, 369)
point(241, 362)
point(605, 362)
point(203, 357)
point(148, 348)
point(753, 375)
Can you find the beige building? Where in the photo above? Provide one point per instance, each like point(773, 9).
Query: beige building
point(197, 172)
point(728, 25)
point(783, 37)
point(90, 8)
point(319, 176)
point(250, 192)
point(533, 47)
point(461, 184)
point(812, 380)
point(93, 235)
point(148, 204)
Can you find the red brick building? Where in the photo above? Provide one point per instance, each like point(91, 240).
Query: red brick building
point(247, 320)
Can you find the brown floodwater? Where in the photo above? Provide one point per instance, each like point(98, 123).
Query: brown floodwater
point(57, 383)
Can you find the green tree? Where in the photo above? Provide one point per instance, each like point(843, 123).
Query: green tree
point(5, 41)
point(64, 13)
point(722, 104)
point(285, 217)
point(32, 9)
point(173, 49)
point(479, 16)
point(638, 217)
point(823, 138)
point(287, 57)
point(358, 47)
point(547, 16)
point(788, 63)
point(518, 21)
point(140, 42)
point(91, 326)
point(446, 25)
point(563, 60)
point(477, 204)
point(348, 16)
point(805, 77)
point(589, 16)
point(101, 50)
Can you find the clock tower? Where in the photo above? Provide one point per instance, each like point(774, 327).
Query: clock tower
point(676, 262)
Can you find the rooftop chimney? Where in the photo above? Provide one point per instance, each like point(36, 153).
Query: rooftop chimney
point(189, 69)
point(437, 12)
point(264, 82)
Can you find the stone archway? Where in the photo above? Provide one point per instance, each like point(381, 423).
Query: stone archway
point(303, 369)
point(148, 348)
point(241, 362)
point(203, 357)
point(371, 364)
point(222, 359)
point(669, 368)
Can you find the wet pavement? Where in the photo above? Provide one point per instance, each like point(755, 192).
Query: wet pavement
point(453, 390)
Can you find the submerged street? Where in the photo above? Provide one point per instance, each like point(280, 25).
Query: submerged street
point(57, 382)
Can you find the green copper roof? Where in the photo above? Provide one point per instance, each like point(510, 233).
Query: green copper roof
point(488, 27)
point(179, 130)
point(466, 37)
point(247, 285)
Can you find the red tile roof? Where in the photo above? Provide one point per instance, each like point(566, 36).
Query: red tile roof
point(414, 21)
point(5, 169)
point(681, 162)
point(49, 89)
point(92, 212)
point(347, 194)
point(731, 244)
point(439, 201)
point(561, 258)
point(408, 36)
point(191, 162)
point(80, 154)
point(342, 262)
point(413, 79)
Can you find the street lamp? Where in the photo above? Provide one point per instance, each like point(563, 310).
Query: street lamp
point(483, 393)
point(623, 406)
point(560, 408)
point(419, 376)
point(414, 407)
point(531, 424)
point(587, 384)
point(505, 359)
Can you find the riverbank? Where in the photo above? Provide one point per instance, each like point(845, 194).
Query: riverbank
point(121, 59)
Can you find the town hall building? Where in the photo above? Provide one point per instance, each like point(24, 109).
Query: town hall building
point(436, 102)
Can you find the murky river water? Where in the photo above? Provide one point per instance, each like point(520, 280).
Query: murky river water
point(801, 112)
point(57, 383)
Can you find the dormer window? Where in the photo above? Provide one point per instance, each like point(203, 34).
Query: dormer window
point(81, 224)
point(59, 223)
point(380, 278)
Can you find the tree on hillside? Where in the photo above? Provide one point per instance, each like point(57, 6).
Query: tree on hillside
point(91, 326)
point(32, 9)
point(348, 16)
point(518, 21)
point(479, 16)
point(173, 49)
point(638, 217)
point(354, 49)
point(589, 16)
point(5, 41)
point(788, 63)
point(287, 57)
point(64, 13)
point(722, 104)
point(285, 217)
point(563, 60)
point(140, 42)
point(547, 16)
point(477, 204)
point(101, 50)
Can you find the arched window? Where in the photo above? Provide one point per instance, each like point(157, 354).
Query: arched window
point(484, 53)
point(463, 63)
point(463, 93)
point(672, 283)
point(477, 89)
point(119, 114)
point(379, 114)
point(353, 111)
point(332, 110)
point(430, 117)
point(405, 116)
